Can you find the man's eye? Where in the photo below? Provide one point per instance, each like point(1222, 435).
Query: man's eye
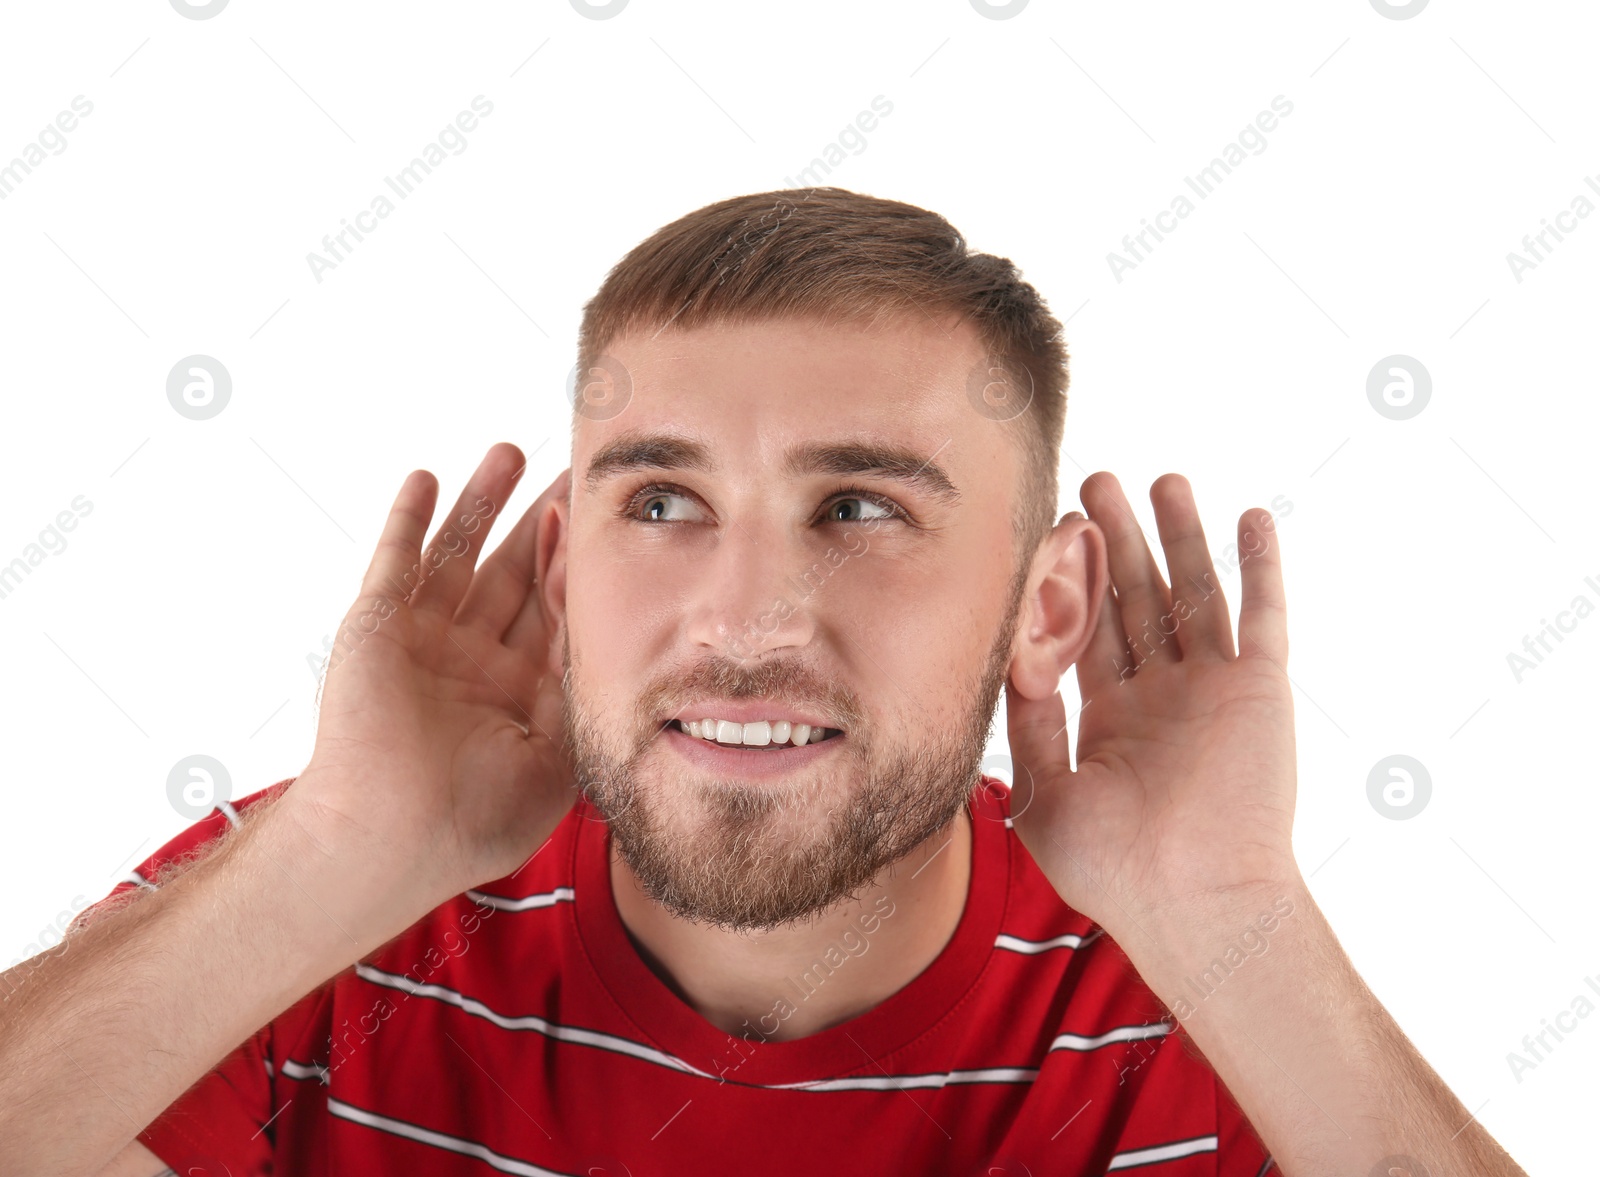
point(666, 507)
point(663, 504)
point(855, 509)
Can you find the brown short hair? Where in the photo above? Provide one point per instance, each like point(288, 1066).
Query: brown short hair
point(841, 256)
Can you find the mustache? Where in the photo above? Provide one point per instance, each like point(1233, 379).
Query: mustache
point(790, 681)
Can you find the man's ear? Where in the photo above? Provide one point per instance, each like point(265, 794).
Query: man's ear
point(1061, 599)
point(550, 569)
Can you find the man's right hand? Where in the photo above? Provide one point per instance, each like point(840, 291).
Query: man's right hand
point(438, 761)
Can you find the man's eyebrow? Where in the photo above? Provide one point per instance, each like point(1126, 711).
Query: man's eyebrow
point(646, 451)
point(638, 450)
point(874, 459)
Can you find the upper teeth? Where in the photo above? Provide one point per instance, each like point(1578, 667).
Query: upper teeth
point(759, 733)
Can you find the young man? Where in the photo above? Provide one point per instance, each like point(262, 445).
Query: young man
point(658, 844)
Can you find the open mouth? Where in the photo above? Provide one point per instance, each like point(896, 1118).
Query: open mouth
point(772, 735)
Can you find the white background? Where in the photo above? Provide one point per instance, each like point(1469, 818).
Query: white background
point(1377, 221)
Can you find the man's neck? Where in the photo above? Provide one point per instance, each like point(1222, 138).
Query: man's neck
point(895, 928)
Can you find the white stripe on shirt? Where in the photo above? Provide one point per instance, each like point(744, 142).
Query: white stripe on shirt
point(505, 903)
point(904, 1082)
point(441, 1140)
point(473, 1006)
point(1120, 1034)
point(1030, 947)
point(1163, 1152)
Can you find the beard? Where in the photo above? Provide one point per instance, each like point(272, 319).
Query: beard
point(751, 856)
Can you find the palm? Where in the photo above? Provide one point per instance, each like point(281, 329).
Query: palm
point(450, 704)
point(1186, 767)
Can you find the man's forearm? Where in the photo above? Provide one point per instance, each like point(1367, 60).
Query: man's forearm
point(100, 1034)
point(1317, 1065)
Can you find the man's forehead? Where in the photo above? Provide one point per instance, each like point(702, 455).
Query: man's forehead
point(775, 386)
point(902, 352)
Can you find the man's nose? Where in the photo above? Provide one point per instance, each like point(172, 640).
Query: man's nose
point(748, 598)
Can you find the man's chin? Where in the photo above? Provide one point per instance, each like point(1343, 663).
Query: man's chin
point(740, 855)
point(703, 812)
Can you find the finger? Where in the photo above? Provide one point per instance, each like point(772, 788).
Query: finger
point(1143, 602)
point(1200, 610)
point(446, 566)
point(501, 585)
point(1263, 610)
point(400, 544)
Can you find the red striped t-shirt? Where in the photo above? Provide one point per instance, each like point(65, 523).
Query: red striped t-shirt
point(515, 1029)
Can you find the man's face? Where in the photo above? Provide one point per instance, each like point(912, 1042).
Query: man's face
point(786, 522)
